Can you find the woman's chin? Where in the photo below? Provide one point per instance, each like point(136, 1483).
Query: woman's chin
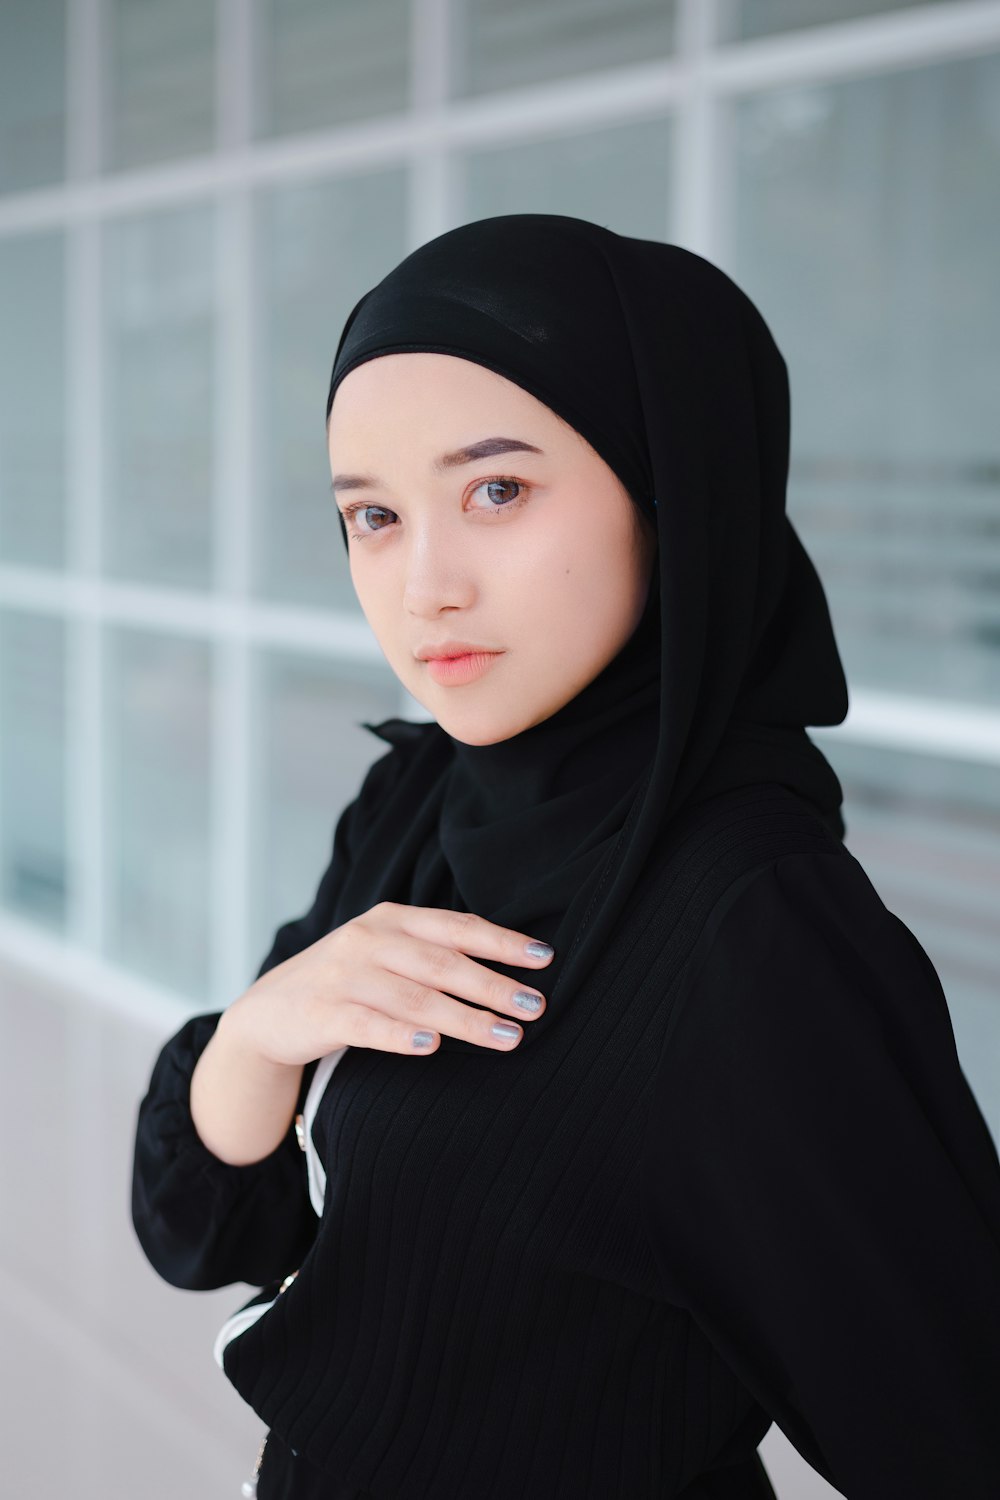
point(478, 728)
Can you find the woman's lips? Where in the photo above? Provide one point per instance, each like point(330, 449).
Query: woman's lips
point(456, 669)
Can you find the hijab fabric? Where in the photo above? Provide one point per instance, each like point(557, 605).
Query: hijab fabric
point(665, 366)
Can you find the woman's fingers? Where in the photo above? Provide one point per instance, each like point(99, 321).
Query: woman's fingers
point(416, 960)
point(416, 1008)
point(467, 932)
point(452, 973)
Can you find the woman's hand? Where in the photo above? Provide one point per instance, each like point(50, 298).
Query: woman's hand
point(386, 979)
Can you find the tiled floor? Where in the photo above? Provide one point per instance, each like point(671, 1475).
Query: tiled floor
point(109, 1389)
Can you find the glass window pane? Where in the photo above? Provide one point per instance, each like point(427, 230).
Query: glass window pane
point(33, 400)
point(161, 80)
point(313, 755)
point(504, 43)
point(33, 768)
point(749, 18)
point(158, 307)
point(320, 64)
point(619, 177)
point(866, 221)
point(157, 798)
point(321, 246)
point(927, 832)
point(32, 93)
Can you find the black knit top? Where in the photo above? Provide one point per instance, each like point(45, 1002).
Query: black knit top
point(743, 1179)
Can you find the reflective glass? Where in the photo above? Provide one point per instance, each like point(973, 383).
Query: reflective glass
point(750, 18)
point(866, 221)
point(505, 43)
point(32, 94)
point(34, 876)
point(33, 400)
point(159, 428)
point(321, 245)
point(157, 798)
point(321, 64)
point(161, 80)
point(311, 755)
point(618, 176)
point(927, 831)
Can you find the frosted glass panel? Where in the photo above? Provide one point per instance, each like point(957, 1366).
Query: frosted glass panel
point(927, 832)
point(32, 93)
point(617, 177)
point(32, 400)
point(33, 745)
point(312, 757)
point(748, 18)
point(866, 226)
point(321, 64)
point(157, 797)
point(321, 246)
point(158, 491)
point(503, 43)
point(161, 80)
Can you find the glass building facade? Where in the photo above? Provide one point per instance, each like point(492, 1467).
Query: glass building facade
point(192, 196)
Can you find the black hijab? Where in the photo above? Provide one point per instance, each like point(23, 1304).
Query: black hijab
point(668, 370)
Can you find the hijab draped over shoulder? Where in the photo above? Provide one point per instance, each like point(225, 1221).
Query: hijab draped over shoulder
point(667, 369)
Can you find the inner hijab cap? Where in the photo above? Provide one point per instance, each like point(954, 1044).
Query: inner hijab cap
point(665, 366)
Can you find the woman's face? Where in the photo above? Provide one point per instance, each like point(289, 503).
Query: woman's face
point(538, 556)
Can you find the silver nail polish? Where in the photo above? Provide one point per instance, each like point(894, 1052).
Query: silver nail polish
point(423, 1038)
point(504, 1031)
point(527, 1001)
point(539, 950)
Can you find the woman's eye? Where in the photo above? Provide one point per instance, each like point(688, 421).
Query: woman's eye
point(352, 512)
point(499, 484)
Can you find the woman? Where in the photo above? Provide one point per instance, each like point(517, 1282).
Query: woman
point(729, 1170)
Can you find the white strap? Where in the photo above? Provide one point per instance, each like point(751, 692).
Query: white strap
point(237, 1324)
point(314, 1167)
point(245, 1318)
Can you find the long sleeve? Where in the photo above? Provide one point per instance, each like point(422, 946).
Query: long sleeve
point(822, 1193)
point(202, 1222)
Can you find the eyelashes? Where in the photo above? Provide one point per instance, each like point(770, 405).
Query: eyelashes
point(350, 511)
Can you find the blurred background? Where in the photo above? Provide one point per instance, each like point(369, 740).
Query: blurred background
point(192, 197)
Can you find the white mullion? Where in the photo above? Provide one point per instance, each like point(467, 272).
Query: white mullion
point(86, 718)
point(234, 512)
point(922, 725)
point(192, 615)
point(694, 153)
point(431, 196)
point(234, 49)
point(232, 749)
point(921, 34)
point(231, 665)
point(86, 715)
point(85, 74)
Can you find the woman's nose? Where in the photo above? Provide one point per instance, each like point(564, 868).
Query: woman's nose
point(435, 575)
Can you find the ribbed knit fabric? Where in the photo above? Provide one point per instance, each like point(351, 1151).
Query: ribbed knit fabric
point(505, 1296)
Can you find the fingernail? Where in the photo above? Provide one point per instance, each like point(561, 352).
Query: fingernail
point(423, 1038)
point(539, 950)
point(505, 1032)
point(527, 1001)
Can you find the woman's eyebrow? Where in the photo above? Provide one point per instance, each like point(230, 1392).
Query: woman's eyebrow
point(485, 448)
